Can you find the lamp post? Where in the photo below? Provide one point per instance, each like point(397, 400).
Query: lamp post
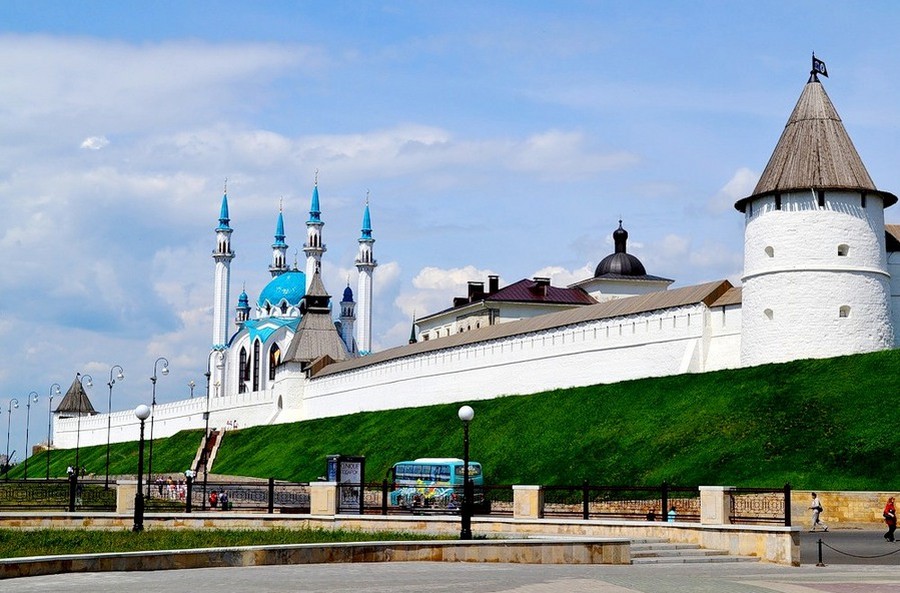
point(32, 398)
point(86, 381)
point(112, 381)
point(220, 362)
point(466, 414)
point(142, 412)
point(13, 403)
point(164, 371)
point(191, 384)
point(50, 423)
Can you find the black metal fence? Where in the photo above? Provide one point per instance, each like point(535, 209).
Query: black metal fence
point(761, 506)
point(60, 495)
point(585, 501)
point(653, 503)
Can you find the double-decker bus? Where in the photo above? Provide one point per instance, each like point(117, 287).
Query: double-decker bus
point(433, 482)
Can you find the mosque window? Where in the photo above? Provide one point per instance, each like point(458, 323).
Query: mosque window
point(769, 314)
point(284, 307)
point(243, 373)
point(274, 360)
point(770, 251)
point(843, 250)
point(256, 365)
point(844, 311)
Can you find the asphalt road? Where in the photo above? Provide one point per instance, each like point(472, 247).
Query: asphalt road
point(849, 546)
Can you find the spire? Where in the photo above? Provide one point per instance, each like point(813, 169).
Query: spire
point(223, 212)
point(366, 222)
point(814, 151)
point(314, 211)
point(412, 331)
point(620, 238)
point(279, 228)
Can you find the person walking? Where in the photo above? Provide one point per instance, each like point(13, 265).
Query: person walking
point(890, 518)
point(817, 509)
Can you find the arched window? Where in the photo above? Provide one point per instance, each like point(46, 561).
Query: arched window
point(274, 360)
point(283, 307)
point(243, 371)
point(843, 250)
point(769, 314)
point(770, 251)
point(256, 365)
point(844, 311)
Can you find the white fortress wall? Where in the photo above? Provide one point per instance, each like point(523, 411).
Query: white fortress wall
point(604, 351)
point(248, 409)
point(724, 336)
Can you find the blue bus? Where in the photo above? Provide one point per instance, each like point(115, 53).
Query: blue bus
point(433, 482)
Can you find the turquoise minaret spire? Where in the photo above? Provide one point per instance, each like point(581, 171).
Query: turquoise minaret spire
point(279, 247)
point(314, 247)
point(365, 263)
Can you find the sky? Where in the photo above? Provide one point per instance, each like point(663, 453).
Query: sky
point(505, 137)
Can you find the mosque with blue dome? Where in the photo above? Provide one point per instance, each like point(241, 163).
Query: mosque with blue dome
point(291, 324)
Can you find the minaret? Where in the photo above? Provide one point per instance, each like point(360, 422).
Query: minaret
point(222, 255)
point(815, 281)
point(365, 263)
point(348, 319)
point(242, 312)
point(314, 248)
point(279, 248)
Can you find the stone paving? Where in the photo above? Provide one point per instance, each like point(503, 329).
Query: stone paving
point(428, 577)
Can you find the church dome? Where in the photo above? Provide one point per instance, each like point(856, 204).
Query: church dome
point(620, 263)
point(289, 286)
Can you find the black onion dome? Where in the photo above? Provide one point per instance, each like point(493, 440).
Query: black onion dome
point(620, 263)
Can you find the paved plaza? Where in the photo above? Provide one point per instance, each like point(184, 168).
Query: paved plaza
point(856, 561)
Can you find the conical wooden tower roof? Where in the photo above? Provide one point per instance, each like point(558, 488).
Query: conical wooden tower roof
point(76, 401)
point(316, 335)
point(814, 152)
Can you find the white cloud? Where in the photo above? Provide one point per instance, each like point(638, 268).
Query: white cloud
point(95, 143)
point(739, 186)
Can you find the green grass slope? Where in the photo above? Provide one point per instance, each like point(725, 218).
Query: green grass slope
point(824, 424)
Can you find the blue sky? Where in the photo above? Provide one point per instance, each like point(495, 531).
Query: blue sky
point(502, 137)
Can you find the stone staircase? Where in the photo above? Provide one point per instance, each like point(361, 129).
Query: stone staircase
point(650, 551)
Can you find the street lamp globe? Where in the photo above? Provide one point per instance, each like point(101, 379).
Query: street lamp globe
point(466, 413)
point(142, 412)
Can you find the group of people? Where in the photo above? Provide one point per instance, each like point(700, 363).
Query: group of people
point(171, 489)
point(889, 514)
point(219, 499)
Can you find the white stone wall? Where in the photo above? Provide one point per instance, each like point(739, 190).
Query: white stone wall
point(605, 351)
point(803, 264)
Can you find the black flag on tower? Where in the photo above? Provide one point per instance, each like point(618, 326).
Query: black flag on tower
point(818, 66)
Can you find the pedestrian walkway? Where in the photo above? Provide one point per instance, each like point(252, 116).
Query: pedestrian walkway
point(428, 577)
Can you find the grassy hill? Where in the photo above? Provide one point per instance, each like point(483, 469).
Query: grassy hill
point(824, 424)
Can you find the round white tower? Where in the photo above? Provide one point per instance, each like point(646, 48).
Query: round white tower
point(365, 263)
point(314, 247)
point(815, 281)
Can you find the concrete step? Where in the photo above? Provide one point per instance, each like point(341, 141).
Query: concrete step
point(661, 552)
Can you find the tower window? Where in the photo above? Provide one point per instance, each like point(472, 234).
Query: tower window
point(770, 251)
point(820, 195)
point(769, 314)
point(778, 201)
point(844, 311)
point(843, 250)
point(862, 200)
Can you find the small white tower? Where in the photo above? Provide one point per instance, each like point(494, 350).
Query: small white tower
point(279, 248)
point(222, 255)
point(348, 320)
point(314, 247)
point(815, 281)
point(365, 263)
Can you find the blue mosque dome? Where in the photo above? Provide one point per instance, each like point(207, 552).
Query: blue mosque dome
point(289, 286)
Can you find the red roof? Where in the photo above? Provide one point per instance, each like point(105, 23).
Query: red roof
point(529, 291)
